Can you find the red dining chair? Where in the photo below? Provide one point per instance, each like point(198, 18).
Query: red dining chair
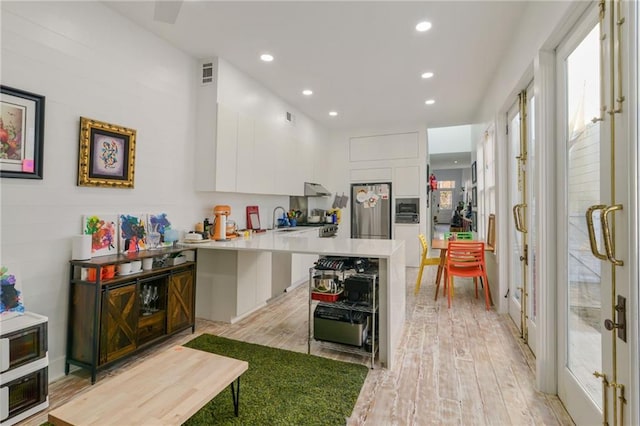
point(466, 259)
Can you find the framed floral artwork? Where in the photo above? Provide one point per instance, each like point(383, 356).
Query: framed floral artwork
point(107, 154)
point(133, 233)
point(104, 233)
point(21, 133)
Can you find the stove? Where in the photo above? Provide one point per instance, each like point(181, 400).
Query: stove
point(328, 230)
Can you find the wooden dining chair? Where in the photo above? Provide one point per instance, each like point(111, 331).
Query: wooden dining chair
point(424, 261)
point(466, 259)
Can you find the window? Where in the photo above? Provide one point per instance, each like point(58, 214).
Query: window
point(446, 184)
point(486, 179)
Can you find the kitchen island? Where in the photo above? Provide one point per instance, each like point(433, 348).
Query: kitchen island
point(231, 276)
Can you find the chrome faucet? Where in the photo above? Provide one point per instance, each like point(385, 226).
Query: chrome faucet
point(275, 220)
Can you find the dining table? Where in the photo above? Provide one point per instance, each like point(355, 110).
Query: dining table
point(443, 245)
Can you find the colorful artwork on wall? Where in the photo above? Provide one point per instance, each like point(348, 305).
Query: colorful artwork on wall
point(104, 233)
point(160, 223)
point(11, 303)
point(133, 232)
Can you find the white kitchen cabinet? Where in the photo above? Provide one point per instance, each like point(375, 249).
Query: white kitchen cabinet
point(384, 147)
point(306, 158)
point(252, 156)
point(235, 283)
point(245, 161)
point(290, 269)
point(264, 159)
point(280, 272)
point(300, 267)
point(226, 149)
point(374, 174)
point(409, 233)
point(406, 181)
point(285, 166)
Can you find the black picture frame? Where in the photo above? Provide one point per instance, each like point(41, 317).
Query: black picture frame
point(21, 133)
point(474, 221)
point(474, 173)
point(474, 196)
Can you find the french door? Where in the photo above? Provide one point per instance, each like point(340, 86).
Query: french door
point(522, 280)
point(594, 274)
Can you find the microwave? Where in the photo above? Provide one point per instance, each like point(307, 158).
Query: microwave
point(407, 210)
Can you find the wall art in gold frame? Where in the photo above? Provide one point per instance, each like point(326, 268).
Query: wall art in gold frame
point(107, 154)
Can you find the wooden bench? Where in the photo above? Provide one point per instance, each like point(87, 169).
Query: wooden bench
point(167, 389)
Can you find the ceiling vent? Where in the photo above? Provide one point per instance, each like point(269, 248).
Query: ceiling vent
point(207, 73)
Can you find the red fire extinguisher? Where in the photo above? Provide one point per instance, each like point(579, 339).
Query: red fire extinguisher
point(433, 182)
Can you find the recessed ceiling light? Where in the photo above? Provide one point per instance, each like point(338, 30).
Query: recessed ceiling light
point(427, 74)
point(307, 92)
point(333, 113)
point(423, 26)
point(266, 57)
point(429, 102)
point(455, 161)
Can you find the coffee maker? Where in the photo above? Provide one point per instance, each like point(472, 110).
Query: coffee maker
point(220, 222)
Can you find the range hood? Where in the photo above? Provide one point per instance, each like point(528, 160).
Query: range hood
point(315, 190)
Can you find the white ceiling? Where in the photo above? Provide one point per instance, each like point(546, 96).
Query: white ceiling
point(363, 59)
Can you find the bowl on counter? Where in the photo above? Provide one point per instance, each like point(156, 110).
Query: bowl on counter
point(313, 219)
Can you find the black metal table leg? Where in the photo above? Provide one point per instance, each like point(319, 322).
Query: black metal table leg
point(235, 394)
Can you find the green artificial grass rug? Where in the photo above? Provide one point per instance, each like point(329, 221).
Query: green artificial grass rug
point(281, 387)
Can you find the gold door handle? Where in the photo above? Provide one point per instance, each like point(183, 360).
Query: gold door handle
point(592, 233)
point(608, 241)
point(518, 219)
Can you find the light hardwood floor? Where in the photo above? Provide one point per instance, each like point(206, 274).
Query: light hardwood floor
point(462, 366)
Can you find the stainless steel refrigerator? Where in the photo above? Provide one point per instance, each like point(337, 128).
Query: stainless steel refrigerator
point(371, 210)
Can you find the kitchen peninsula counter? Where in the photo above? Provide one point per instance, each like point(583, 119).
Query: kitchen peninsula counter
point(232, 276)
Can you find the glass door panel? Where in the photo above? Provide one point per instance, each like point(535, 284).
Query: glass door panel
point(580, 277)
point(515, 197)
point(583, 190)
point(532, 283)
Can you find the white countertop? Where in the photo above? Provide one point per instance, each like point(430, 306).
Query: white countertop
point(305, 241)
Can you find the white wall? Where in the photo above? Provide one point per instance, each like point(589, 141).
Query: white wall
point(538, 28)
point(88, 61)
point(335, 166)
